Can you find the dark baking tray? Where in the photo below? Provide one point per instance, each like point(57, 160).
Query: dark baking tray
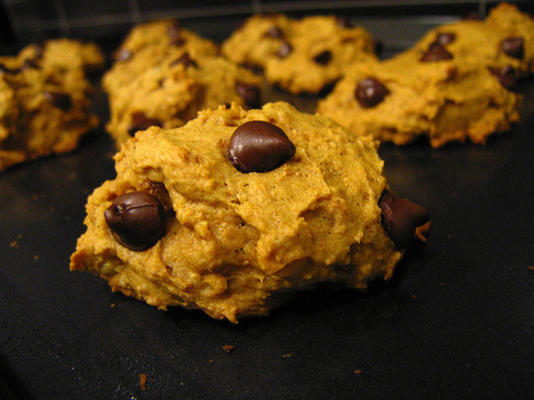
point(455, 322)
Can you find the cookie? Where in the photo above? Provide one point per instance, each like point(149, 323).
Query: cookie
point(299, 55)
point(149, 44)
point(45, 102)
point(171, 92)
point(434, 96)
point(234, 210)
point(504, 40)
point(65, 54)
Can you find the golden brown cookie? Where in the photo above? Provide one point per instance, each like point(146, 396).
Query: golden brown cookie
point(299, 55)
point(504, 40)
point(44, 100)
point(171, 93)
point(409, 96)
point(231, 212)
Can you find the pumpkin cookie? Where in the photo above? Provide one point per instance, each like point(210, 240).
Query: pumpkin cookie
point(44, 99)
point(431, 95)
point(234, 210)
point(505, 40)
point(299, 55)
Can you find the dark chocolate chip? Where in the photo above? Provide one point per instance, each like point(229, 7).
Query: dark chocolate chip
point(140, 122)
point(343, 22)
point(250, 94)
point(284, 50)
point(323, 58)
point(436, 52)
point(274, 32)
point(29, 63)
point(136, 220)
point(506, 76)
point(401, 217)
point(186, 60)
point(58, 99)
point(370, 92)
point(174, 32)
point(444, 38)
point(258, 146)
point(123, 54)
point(514, 47)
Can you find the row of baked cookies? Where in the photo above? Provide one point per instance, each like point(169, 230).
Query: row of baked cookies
point(455, 84)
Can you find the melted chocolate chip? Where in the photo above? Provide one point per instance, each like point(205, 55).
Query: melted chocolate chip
point(258, 146)
point(136, 220)
point(323, 58)
point(370, 92)
point(514, 47)
point(274, 32)
point(284, 50)
point(506, 76)
point(444, 38)
point(58, 99)
point(174, 32)
point(400, 218)
point(250, 94)
point(186, 60)
point(123, 54)
point(435, 52)
point(140, 122)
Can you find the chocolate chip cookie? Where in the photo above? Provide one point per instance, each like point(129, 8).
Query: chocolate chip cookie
point(45, 99)
point(231, 212)
point(299, 55)
point(166, 82)
point(433, 95)
point(504, 41)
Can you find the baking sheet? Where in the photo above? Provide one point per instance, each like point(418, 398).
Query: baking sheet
point(455, 322)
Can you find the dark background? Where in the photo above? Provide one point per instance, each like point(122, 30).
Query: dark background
point(455, 322)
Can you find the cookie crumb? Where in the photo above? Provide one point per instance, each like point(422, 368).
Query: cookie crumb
point(36, 257)
point(357, 371)
point(210, 361)
point(142, 381)
point(112, 305)
point(228, 348)
point(413, 296)
point(531, 267)
point(287, 355)
point(14, 244)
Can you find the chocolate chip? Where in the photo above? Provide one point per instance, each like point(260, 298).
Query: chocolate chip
point(370, 92)
point(58, 99)
point(343, 22)
point(29, 64)
point(174, 32)
point(258, 146)
point(250, 94)
point(186, 60)
point(274, 32)
point(506, 76)
point(444, 38)
point(123, 54)
point(400, 218)
point(284, 50)
point(323, 58)
point(136, 220)
point(436, 52)
point(514, 47)
point(140, 122)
